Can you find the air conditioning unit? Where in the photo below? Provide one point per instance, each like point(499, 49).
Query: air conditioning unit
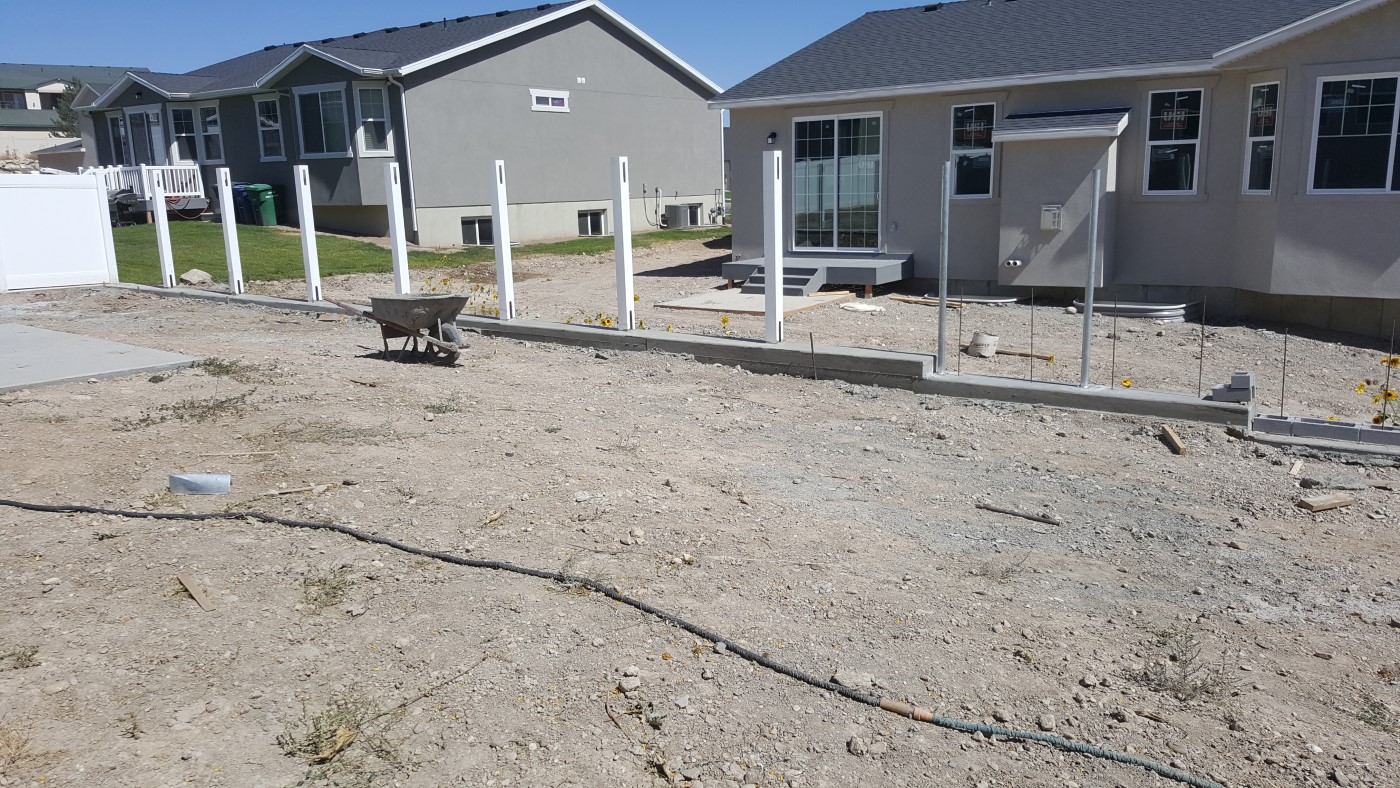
point(678, 217)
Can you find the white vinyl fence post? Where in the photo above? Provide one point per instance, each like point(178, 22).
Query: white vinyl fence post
point(104, 216)
point(308, 234)
point(156, 204)
point(622, 242)
point(228, 218)
point(500, 226)
point(398, 248)
point(773, 243)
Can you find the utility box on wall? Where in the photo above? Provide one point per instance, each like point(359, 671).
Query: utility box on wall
point(1051, 218)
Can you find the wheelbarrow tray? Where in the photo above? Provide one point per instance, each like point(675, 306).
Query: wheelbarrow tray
point(417, 312)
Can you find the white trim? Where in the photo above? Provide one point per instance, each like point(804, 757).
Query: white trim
point(1250, 141)
point(536, 95)
point(790, 187)
point(608, 13)
point(388, 152)
point(126, 81)
point(1067, 133)
point(1149, 144)
point(276, 98)
point(200, 133)
point(297, 93)
point(605, 232)
point(969, 85)
point(954, 155)
point(1294, 30)
point(172, 141)
point(1390, 187)
point(157, 140)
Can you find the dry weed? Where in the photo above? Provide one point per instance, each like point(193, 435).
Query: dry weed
point(1375, 713)
point(1179, 668)
point(239, 371)
point(322, 432)
point(20, 658)
point(18, 755)
point(350, 742)
point(326, 588)
point(198, 411)
point(1002, 570)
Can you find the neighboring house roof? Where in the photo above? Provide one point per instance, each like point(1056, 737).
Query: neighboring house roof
point(28, 119)
point(28, 76)
point(992, 43)
point(393, 51)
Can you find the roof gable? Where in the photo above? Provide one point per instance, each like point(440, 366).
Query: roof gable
point(963, 45)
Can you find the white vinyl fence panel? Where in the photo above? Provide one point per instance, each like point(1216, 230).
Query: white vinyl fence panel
point(54, 232)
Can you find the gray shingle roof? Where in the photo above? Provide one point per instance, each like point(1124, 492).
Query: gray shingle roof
point(28, 76)
point(990, 39)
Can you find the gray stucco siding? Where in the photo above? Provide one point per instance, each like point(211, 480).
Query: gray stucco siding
point(470, 111)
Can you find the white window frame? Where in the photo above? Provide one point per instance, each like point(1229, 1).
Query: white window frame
point(536, 94)
point(173, 142)
point(1150, 144)
point(603, 225)
point(276, 100)
point(477, 226)
point(200, 133)
point(1317, 127)
point(790, 167)
point(338, 87)
point(1249, 141)
point(360, 122)
point(954, 155)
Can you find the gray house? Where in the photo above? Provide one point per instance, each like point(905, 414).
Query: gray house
point(1249, 151)
point(556, 91)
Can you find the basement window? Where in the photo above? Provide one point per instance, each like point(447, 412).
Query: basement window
point(476, 231)
point(549, 100)
point(592, 223)
point(1354, 149)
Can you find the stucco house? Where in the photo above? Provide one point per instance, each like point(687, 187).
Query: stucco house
point(28, 95)
point(555, 90)
point(1249, 151)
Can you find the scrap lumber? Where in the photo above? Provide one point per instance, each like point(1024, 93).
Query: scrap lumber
point(1006, 351)
point(1013, 513)
point(1389, 486)
point(925, 301)
point(1173, 441)
point(195, 591)
point(1323, 503)
point(1296, 469)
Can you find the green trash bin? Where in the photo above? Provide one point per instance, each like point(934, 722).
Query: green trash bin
point(264, 200)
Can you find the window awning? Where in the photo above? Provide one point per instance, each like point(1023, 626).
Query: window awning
point(1067, 124)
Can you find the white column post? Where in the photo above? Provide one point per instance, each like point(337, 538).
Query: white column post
point(308, 233)
point(156, 203)
point(228, 218)
point(393, 197)
point(500, 227)
point(944, 224)
point(622, 244)
point(1093, 279)
point(773, 243)
point(104, 215)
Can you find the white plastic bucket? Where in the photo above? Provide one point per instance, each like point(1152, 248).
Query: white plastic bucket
point(983, 345)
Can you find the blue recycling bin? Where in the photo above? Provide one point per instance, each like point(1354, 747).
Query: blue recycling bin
point(243, 212)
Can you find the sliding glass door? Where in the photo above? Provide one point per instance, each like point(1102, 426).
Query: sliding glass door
point(836, 182)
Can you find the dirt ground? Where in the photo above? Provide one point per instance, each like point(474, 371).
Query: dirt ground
point(1323, 369)
point(1184, 610)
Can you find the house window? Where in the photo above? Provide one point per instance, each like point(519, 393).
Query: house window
point(972, 149)
point(11, 100)
point(476, 231)
point(211, 138)
point(321, 116)
point(549, 100)
point(269, 111)
point(116, 136)
point(591, 222)
point(1259, 143)
point(373, 133)
point(1355, 147)
point(836, 182)
point(183, 138)
point(1173, 141)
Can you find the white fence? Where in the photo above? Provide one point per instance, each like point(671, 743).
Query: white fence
point(54, 231)
point(181, 180)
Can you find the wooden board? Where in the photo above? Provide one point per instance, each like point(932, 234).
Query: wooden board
point(924, 301)
point(1323, 503)
point(195, 591)
point(1174, 441)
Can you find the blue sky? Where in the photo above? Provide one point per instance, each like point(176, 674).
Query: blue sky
point(727, 40)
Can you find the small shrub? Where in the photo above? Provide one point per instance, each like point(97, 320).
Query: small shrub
point(323, 589)
point(240, 371)
point(1179, 667)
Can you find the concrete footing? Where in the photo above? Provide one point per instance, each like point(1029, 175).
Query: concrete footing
point(890, 369)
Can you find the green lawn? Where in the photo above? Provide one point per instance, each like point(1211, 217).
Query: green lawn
point(270, 253)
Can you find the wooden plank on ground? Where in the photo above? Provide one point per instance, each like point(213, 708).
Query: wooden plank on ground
point(1390, 486)
point(1296, 469)
point(1174, 441)
point(200, 597)
point(924, 301)
point(1323, 503)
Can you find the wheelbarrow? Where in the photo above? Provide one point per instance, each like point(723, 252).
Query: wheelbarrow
point(414, 318)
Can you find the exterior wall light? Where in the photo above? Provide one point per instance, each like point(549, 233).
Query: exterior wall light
point(772, 138)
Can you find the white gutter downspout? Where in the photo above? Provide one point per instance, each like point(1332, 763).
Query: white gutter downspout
point(408, 159)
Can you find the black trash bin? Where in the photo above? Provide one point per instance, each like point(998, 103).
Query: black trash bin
point(242, 206)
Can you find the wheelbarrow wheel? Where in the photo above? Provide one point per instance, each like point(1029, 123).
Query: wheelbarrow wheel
point(446, 332)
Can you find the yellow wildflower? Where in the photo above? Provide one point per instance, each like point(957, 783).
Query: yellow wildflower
point(1361, 387)
point(1378, 419)
point(1391, 396)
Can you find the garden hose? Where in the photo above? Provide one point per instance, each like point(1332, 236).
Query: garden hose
point(894, 706)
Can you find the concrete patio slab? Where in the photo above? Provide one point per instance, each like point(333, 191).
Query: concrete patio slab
point(734, 302)
point(32, 356)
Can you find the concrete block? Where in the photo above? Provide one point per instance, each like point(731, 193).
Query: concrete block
point(1242, 380)
point(1273, 425)
point(1326, 430)
point(1382, 436)
point(1226, 393)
